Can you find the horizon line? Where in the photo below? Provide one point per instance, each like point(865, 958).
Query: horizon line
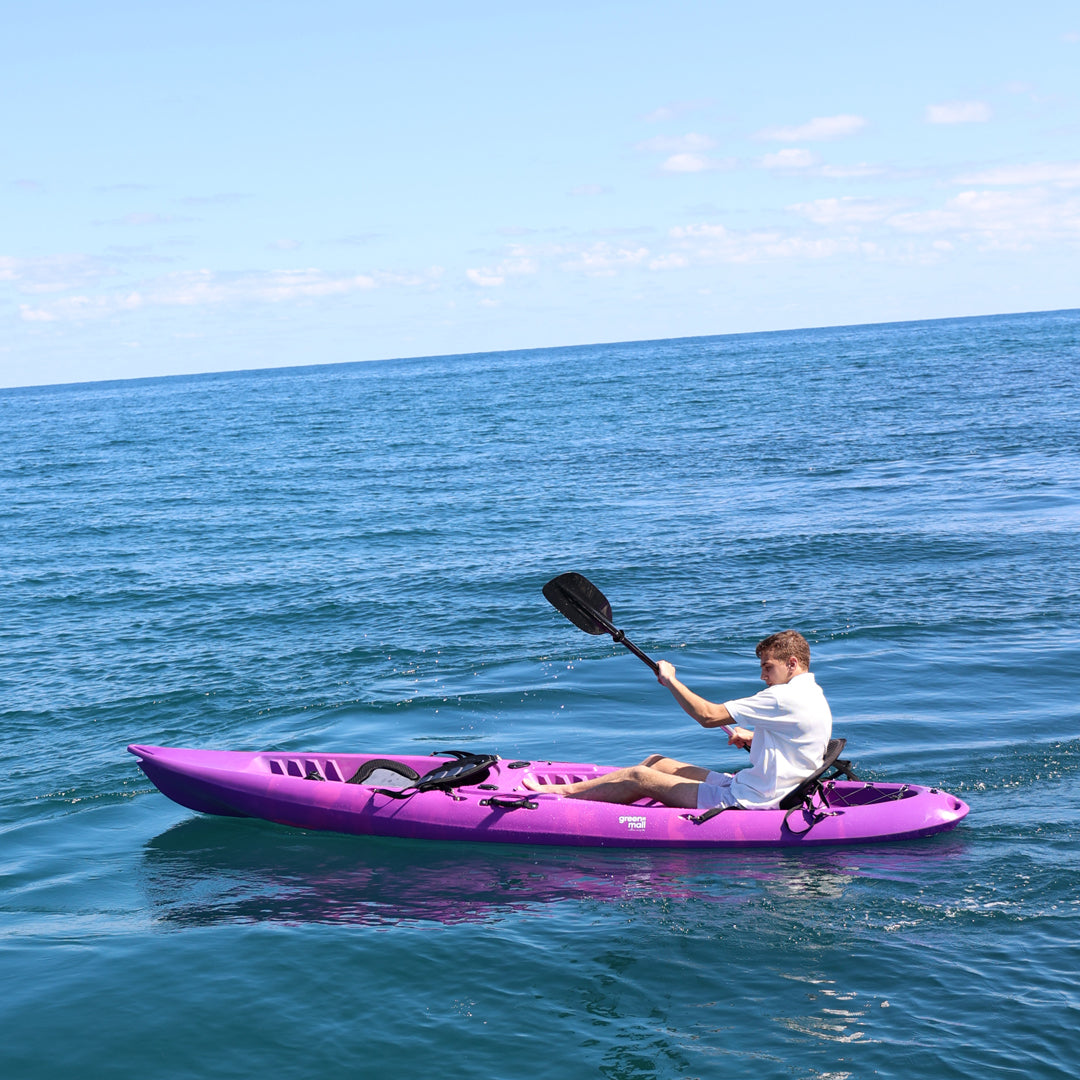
point(527, 349)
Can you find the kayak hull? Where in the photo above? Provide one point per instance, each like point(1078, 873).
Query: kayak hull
point(310, 791)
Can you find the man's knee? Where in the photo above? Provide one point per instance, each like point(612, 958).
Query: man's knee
point(666, 765)
point(641, 776)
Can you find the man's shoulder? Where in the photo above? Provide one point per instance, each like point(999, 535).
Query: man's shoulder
point(804, 683)
point(802, 687)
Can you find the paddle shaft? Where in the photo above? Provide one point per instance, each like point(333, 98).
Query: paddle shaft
point(622, 639)
point(617, 635)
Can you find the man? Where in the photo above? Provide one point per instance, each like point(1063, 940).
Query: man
point(791, 722)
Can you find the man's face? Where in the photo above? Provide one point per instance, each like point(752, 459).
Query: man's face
point(776, 672)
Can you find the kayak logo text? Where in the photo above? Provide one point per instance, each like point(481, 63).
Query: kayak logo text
point(632, 821)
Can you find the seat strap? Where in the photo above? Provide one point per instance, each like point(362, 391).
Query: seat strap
point(831, 760)
point(708, 815)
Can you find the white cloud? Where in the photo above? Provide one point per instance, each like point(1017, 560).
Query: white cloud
point(958, 112)
point(850, 228)
point(80, 307)
point(203, 288)
point(790, 159)
point(1060, 174)
point(485, 278)
point(517, 265)
point(300, 284)
point(714, 243)
point(686, 153)
point(851, 172)
point(671, 261)
point(686, 163)
point(29, 314)
point(816, 130)
point(683, 232)
point(690, 143)
point(53, 273)
point(691, 163)
point(604, 259)
point(1014, 220)
point(1005, 218)
point(848, 210)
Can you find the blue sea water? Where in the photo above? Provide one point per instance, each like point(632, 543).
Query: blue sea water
point(350, 558)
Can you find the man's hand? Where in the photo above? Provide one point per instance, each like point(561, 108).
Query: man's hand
point(665, 674)
point(740, 736)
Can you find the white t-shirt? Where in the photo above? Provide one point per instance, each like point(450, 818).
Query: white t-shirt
point(792, 726)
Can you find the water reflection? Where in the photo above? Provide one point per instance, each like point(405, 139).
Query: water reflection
point(205, 871)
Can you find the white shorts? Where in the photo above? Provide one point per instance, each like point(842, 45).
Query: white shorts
point(715, 790)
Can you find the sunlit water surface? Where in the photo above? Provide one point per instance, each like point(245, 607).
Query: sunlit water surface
point(350, 558)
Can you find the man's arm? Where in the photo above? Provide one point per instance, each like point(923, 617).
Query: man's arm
point(707, 713)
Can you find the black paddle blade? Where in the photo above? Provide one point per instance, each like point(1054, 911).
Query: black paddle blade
point(581, 602)
point(587, 608)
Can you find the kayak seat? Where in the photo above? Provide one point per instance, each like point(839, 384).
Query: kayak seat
point(465, 769)
point(400, 780)
point(813, 782)
point(803, 795)
point(383, 772)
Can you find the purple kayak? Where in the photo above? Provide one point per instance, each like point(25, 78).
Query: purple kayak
point(368, 795)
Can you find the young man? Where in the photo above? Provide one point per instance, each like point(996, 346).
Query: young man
point(792, 726)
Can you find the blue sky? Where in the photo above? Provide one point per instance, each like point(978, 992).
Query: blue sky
point(226, 185)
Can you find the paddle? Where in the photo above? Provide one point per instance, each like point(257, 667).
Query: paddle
point(587, 608)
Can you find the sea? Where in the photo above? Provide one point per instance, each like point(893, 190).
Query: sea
point(350, 557)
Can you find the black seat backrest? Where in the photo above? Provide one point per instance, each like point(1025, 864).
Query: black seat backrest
point(832, 761)
point(463, 769)
point(382, 772)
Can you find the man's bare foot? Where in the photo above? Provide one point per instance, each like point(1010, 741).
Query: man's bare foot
point(544, 789)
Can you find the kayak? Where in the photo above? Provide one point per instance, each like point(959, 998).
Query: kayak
point(372, 795)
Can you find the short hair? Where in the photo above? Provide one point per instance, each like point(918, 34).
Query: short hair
point(784, 644)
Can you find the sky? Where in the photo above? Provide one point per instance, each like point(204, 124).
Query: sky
point(214, 186)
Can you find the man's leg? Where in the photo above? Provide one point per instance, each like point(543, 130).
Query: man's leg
point(675, 768)
point(629, 785)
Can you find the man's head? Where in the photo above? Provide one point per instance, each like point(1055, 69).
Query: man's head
point(783, 656)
